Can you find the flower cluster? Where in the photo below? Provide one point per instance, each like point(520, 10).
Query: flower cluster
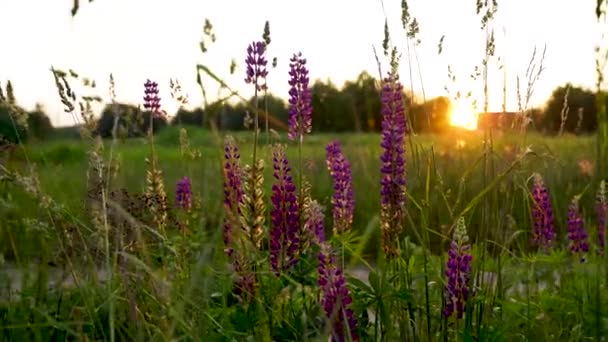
point(315, 223)
point(256, 65)
point(576, 230)
point(284, 241)
point(342, 200)
point(236, 243)
point(253, 205)
point(542, 213)
point(300, 99)
point(458, 272)
point(183, 194)
point(335, 295)
point(151, 98)
point(233, 192)
point(392, 192)
point(601, 209)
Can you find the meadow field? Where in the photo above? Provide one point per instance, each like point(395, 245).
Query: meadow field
point(175, 285)
point(452, 163)
point(235, 219)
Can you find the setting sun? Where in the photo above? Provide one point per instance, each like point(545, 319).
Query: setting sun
point(463, 116)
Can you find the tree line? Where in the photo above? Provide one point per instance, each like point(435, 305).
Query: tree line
point(354, 107)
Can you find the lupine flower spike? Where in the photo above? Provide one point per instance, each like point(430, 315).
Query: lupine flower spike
point(256, 65)
point(253, 205)
point(601, 209)
point(542, 213)
point(392, 184)
point(234, 241)
point(233, 192)
point(458, 272)
point(284, 242)
point(576, 231)
point(342, 201)
point(183, 194)
point(336, 297)
point(151, 98)
point(155, 187)
point(300, 99)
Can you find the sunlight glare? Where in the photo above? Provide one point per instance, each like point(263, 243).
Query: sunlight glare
point(463, 116)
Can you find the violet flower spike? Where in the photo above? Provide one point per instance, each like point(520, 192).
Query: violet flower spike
point(336, 297)
point(284, 241)
point(183, 194)
point(542, 213)
point(151, 98)
point(300, 99)
point(458, 272)
point(393, 143)
point(233, 191)
point(601, 209)
point(342, 201)
point(256, 65)
point(576, 231)
point(393, 183)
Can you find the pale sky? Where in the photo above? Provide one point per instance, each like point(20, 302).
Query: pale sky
point(158, 39)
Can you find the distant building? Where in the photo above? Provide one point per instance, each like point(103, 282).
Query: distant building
point(498, 120)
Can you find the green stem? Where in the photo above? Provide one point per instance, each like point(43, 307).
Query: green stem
point(256, 128)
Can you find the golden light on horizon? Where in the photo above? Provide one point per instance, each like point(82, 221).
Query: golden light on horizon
point(463, 116)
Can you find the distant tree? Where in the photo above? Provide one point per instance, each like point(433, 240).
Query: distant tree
point(11, 128)
point(39, 124)
point(231, 117)
point(536, 116)
point(13, 119)
point(195, 117)
point(364, 100)
point(573, 105)
point(277, 110)
point(129, 120)
point(435, 111)
point(240, 116)
point(330, 110)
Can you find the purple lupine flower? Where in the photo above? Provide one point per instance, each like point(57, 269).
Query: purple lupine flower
point(300, 99)
point(233, 192)
point(336, 296)
point(576, 230)
point(284, 241)
point(256, 65)
point(392, 185)
point(151, 98)
point(601, 209)
point(542, 213)
point(342, 200)
point(183, 193)
point(314, 223)
point(458, 272)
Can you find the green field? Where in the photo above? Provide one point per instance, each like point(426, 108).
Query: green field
point(177, 285)
point(455, 161)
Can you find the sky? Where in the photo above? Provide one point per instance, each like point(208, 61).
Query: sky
point(159, 39)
